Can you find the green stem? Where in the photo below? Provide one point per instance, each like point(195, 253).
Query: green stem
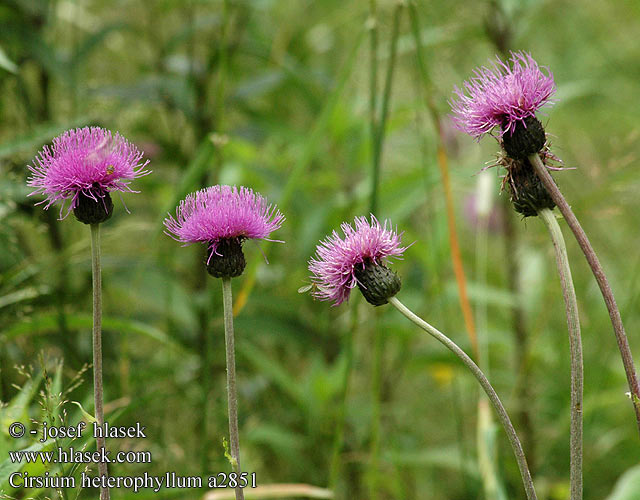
point(488, 389)
point(601, 278)
point(376, 397)
point(378, 135)
point(372, 24)
point(522, 389)
point(575, 346)
point(376, 373)
point(232, 397)
point(487, 457)
point(342, 411)
point(97, 347)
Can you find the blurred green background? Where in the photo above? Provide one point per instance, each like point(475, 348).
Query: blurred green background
point(275, 95)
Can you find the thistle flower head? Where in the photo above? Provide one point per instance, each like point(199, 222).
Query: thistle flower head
point(89, 162)
point(503, 95)
point(222, 215)
point(338, 260)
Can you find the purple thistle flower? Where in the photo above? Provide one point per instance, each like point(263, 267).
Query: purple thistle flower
point(88, 161)
point(334, 266)
point(501, 96)
point(220, 213)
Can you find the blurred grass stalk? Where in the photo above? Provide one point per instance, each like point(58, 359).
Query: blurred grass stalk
point(601, 278)
point(443, 161)
point(487, 458)
point(336, 455)
point(275, 491)
point(486, 432)
point(378, 129)
point(205, 123)
point(499, 26)
point(310, 148)
point(575, 346)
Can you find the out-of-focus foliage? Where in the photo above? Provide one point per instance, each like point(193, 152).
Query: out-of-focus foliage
point(274, 95)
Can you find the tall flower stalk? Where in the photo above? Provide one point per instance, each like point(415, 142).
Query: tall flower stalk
point(83, 166)
point(601, 279)
point(359, 260)
point(223, 217)
point(530, 198)
point(575, 346)
point(98, 391)
point(232, 393)
point(507, 95)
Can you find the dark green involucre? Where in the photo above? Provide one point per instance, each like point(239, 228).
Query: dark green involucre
point(228, 260)
point(377, 282)
point(90, 211)
point(528, 194)
point(527, 138)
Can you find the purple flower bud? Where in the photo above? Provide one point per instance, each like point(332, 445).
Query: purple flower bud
point(338, 261)
point(223, 217)
point(502, 96)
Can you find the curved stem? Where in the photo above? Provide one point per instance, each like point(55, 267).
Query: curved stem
point(488, 389)
point(575, 346)
point(98, 396)
point(232, 397)
point(601, 278)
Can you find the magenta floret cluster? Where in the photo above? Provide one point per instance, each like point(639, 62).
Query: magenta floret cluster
point(336, 258)
point(89, 161)
point(502, 95)
point(223, 212)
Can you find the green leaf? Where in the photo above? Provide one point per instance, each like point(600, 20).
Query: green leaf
point(92, 42)
point(7, 467)
point(319, 129)
point(274, 371)
point(6, 63)
point(628, 486)
point(48, 323)
point(190, 179)
point(18, 405)
point(39, 136)
point(21, 295)
point(85, 413)
point(446, 458)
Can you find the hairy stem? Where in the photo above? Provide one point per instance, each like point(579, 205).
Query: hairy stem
point(575, 346)
point(488, 389)
point(232, 397)
point(601, 278)
point(97, 347)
